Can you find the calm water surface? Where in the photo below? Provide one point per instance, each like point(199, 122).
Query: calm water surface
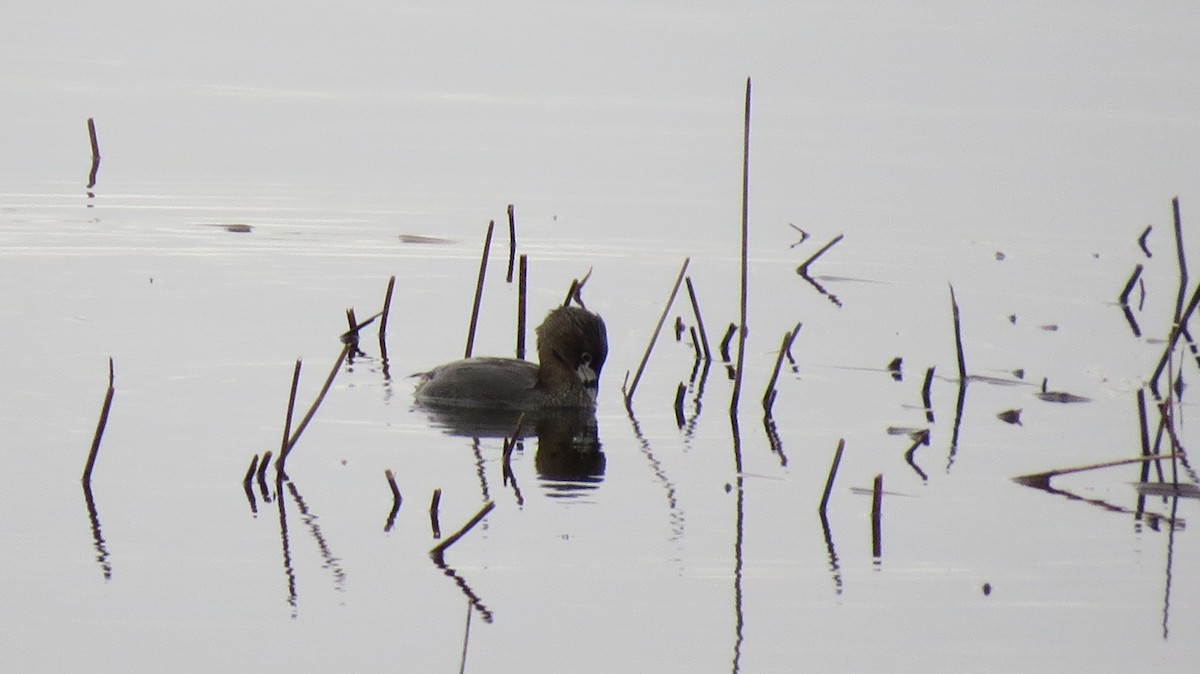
point(1016, 154)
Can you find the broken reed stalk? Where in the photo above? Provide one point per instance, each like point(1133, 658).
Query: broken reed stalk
point(1142, 240)
point(522, 281)
point(487, 245)
point(250, 472)
point(287, 420)
point(680, 420)
point(1042, 480)
point(695, 342)
point(510, 443)
point(387, 308)
point(103, 421)
point(837, 459)
point(1144, 431)
point(1137, 272)
point(737, 382)
point(1183, 274)
point(925, 394)
point(699, 321)
point(657, 329)
point(262, 467)
point(877, 517)
point(279, 465)
point(962, 364)
point(784, 347)
point(803, 268)
point(512, 243)
point(91, 124)
point(433, 513)
point(440, 548)
point(396, 500)
point(1172, 340)
point(725, 342)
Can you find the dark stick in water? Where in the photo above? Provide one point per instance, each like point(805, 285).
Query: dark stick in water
point(91, 125)
point(768, 395)
point(440, 548)
point(522, 281)
point(396, 500)
point(512, 243)
point(925, 395)
point(680, 420)
point(1142, 240)
point(279, 465)
point(250, 472)
point(262, 468)
point(287, 420)
point(1176, 331)
point(699, 321)
point(1183, 274)
point(695, 341)
point(962, 365)
point(654, 337)
point(387, 308)
point(877, 517)
point(1137, 272)
point(803, 268)
point(433, 513)
point(108, 397)
point(837, 459)
point(725, 342)
point(737, 382)
point(487, 245)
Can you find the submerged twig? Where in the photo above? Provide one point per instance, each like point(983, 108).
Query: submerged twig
point(654, 337)
point(1142, 240)
point(725, 342)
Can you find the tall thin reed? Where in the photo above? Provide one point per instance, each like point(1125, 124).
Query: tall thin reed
point(483, 259)
point(512, 243)
point(103, 421)
point(737, 383)
point(654, 337)
point(699, 320)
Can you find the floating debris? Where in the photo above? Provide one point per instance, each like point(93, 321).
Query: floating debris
point(419, 238)
point(1049, 327)
point(894, 368)
point(1010, 417)
point(1019, 373)
point(1000, 256)
point(238, 228)
point(1061, 397)
point(1012, 318)
point(1184, 489)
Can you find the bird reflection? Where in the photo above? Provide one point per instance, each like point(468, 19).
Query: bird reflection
point(569, 460)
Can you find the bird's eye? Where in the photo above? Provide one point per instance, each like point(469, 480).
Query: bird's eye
point(585, 359)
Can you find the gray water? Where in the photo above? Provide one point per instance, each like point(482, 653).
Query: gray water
point(1014, 152)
